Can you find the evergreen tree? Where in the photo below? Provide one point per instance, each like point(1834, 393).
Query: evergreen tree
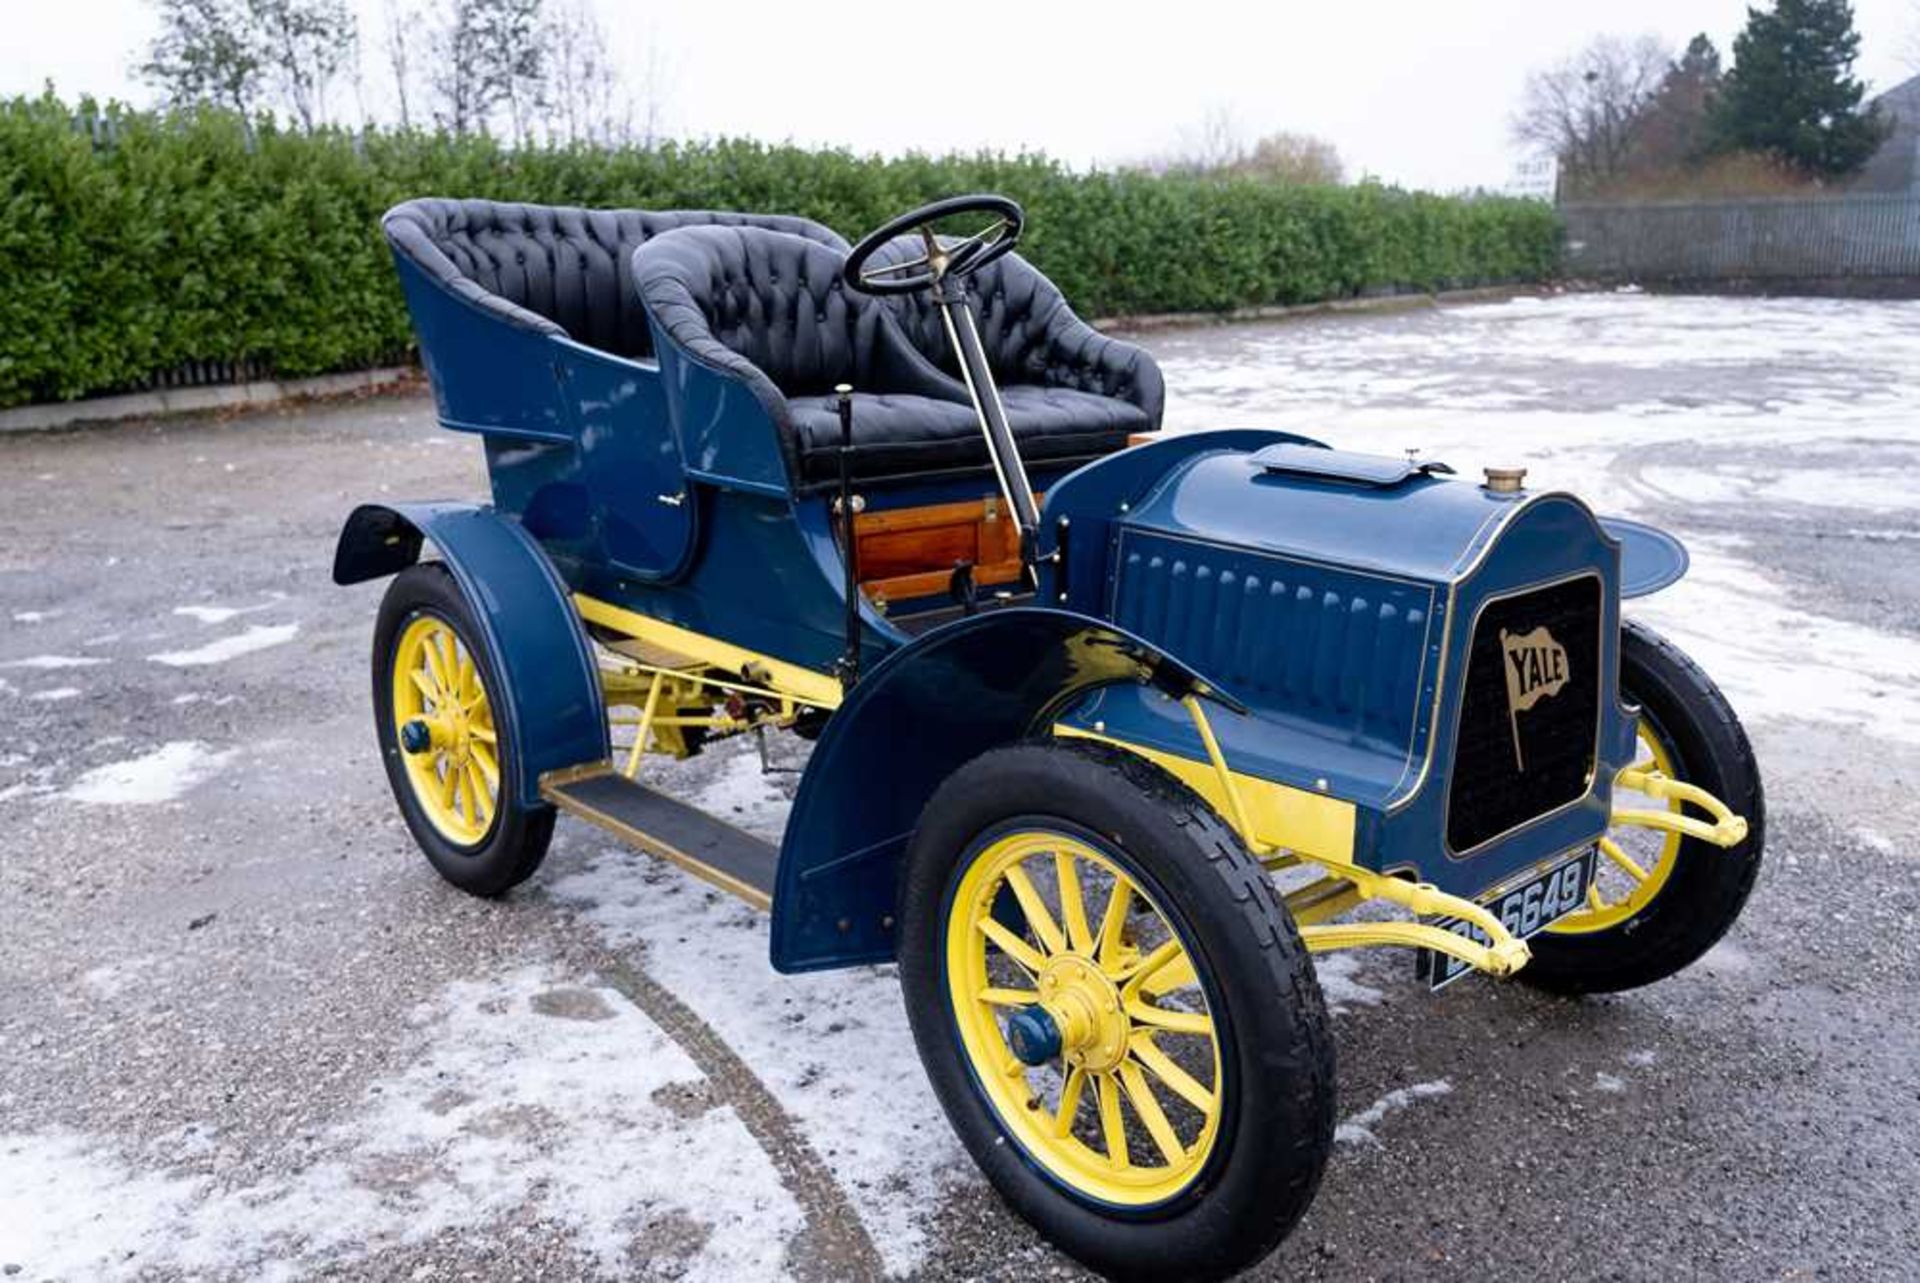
point(1673, 130)
point(1792, 93)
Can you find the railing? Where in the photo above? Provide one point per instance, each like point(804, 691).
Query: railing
point(1758, 239)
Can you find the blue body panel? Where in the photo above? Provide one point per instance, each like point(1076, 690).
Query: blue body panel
point(927, 709)
point(552, 703)
point(1325, 605)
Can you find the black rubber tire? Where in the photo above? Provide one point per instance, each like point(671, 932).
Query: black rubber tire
point(1276, 1044)
point(1709, 885)
point(517, 841)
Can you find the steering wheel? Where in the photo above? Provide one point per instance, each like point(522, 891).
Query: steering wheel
point(938, 261)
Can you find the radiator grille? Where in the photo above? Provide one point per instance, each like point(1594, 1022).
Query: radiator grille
point(1528, 711)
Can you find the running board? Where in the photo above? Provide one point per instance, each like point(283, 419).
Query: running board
point(730, 858)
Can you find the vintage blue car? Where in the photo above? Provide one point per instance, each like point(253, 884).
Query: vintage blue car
point(1114, 730)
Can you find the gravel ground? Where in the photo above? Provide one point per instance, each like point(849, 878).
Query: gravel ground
point(244, 1030)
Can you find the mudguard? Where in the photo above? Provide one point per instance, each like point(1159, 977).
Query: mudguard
point(1650, 559)
point(912, 721)
point(552, 704)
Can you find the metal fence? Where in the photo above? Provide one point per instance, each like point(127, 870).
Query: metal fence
point(1829, 239)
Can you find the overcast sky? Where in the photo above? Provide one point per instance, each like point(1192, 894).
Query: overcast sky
point(1417, 93)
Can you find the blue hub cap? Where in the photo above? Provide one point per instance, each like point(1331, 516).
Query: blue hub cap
point(1034, 1037)
point(415, 736)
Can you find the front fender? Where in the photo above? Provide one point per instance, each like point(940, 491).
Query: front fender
point(913, 720)
point(552, 703)
point(1650, 559)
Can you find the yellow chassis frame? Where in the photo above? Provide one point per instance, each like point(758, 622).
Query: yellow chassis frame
point(676, 667)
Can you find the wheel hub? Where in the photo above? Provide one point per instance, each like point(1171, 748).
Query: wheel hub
point(1084, 1006)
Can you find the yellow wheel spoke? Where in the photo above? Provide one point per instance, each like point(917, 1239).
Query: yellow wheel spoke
point(465, 682)
point(1179, 1022)
point(1113, 923)
point(1073, 908)
point(1178, 1080)
point(430, 651)
point(447, 781)
point(1147, 1106)
point(443, 646)
point(467, 807)
point(484, 734)
point(1136, 976)
point(1039, 917)
point(425, 682)
point(1112, 1125)
point(482, 796)
point(489, 767)
point(1612, 851)
point(1177, 974)
point(1008, 997)
point(1013, 946)
point(1070, 1092)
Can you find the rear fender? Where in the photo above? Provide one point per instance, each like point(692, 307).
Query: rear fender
point(913, 720)
point(1650, 559)
point(552, 703)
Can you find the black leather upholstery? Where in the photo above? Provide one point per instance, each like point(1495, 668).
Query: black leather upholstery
point(555, 269)
point(1054, 370)
point(770, 309)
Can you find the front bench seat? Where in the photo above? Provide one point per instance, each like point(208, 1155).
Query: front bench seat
point(1062, 382)
point(771, 310)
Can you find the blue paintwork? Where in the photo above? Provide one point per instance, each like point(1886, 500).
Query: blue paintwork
point(527, 624)
point(1323, 602)
point(912, 721)
point(1650, 559)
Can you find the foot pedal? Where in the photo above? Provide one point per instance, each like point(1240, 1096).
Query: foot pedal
point(730, 858)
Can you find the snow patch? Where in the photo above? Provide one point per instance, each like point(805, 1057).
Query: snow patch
point(1643, 1058)
point(50, 662)
point(833, 1047)
point(33, 616)
point(530, 1093)
point(221, 614)
point(159, 776)
point(1359, 1127)
point(1340, 982)
point(1609, 1083)
point(55, 694)
point(257, 637)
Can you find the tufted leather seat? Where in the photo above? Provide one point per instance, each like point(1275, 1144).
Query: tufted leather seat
point(771, 309)
point(555, 269)
point(1061, 380)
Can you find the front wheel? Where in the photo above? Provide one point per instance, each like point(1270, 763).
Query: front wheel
point(1666, 899)
point(1115, 1011)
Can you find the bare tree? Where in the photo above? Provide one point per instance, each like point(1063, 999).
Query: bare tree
point(245, 54)
point(485, 55)
point(584, 90)
point(402, 17)
point(1292, 158)
point(305, 45)
point(1585, 109)
point(205, 52)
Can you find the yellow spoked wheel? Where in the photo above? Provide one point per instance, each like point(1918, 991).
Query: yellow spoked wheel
point(444, 726)
point(1083, 1018)
point(1635, 862)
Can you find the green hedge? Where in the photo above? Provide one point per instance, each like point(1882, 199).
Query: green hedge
point(144, 242)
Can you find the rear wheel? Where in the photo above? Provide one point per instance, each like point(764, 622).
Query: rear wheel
point(451, 762)
point(1116, 1012)
point(1666, 899)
